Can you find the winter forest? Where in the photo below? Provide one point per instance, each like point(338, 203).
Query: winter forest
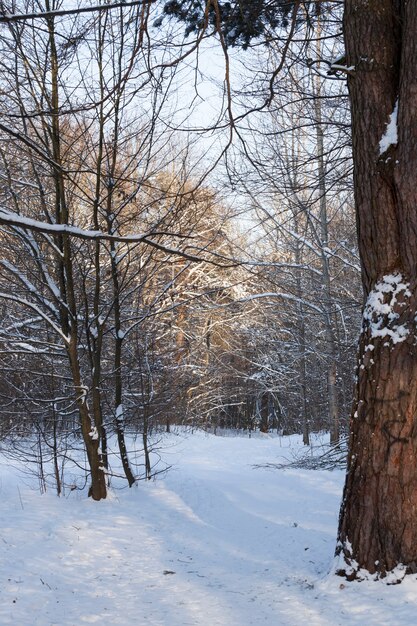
point(208, 297)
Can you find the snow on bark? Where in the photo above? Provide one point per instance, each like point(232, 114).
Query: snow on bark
point(390, 137)
point(83, 394)
point(380, 316)
point(346, 565)
point(93, 434)
point(119, 413)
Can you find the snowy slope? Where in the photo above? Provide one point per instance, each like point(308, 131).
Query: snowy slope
point(214, 542)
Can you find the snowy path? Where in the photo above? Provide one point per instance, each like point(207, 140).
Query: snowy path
point(215, 542)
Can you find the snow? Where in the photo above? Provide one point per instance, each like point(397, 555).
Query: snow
point(379, 314)
point(284, 296)
point(342, 68)
point(93, 433)
point(27, 346)
point(36, 309)
point(9, 217)
point(390, 136)
point(119, 413)
point(215, 542)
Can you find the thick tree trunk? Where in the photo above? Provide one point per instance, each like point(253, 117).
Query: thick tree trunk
point(378, 520)
point(378, 527)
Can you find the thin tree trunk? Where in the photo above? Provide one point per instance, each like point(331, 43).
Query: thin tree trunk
point(301, 327)
point(331, 347)
point(68, 311)
point(303, 365)
point(118, 379)
point(119, 421)
point(55, 442)
point(302, 348)
point(264, 413)
point(148, 469)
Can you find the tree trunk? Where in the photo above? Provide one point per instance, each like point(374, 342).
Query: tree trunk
point(91, 437)
point(118, 378)
point(378, 528)
point(331, 346)
point(305, 417)
point(302, 356)
point(68, 310)
point(264, 413)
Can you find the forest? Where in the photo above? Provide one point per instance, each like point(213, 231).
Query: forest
point(178, 292)
point(205, 208)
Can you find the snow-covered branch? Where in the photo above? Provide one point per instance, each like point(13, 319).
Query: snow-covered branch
point(34, 307)
point(6, 18)
point(282, 296)
point(8, 218)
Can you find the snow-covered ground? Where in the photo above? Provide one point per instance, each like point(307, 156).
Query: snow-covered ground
point(213, 542)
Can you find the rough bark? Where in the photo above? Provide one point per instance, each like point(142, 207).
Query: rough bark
point(378, 529)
